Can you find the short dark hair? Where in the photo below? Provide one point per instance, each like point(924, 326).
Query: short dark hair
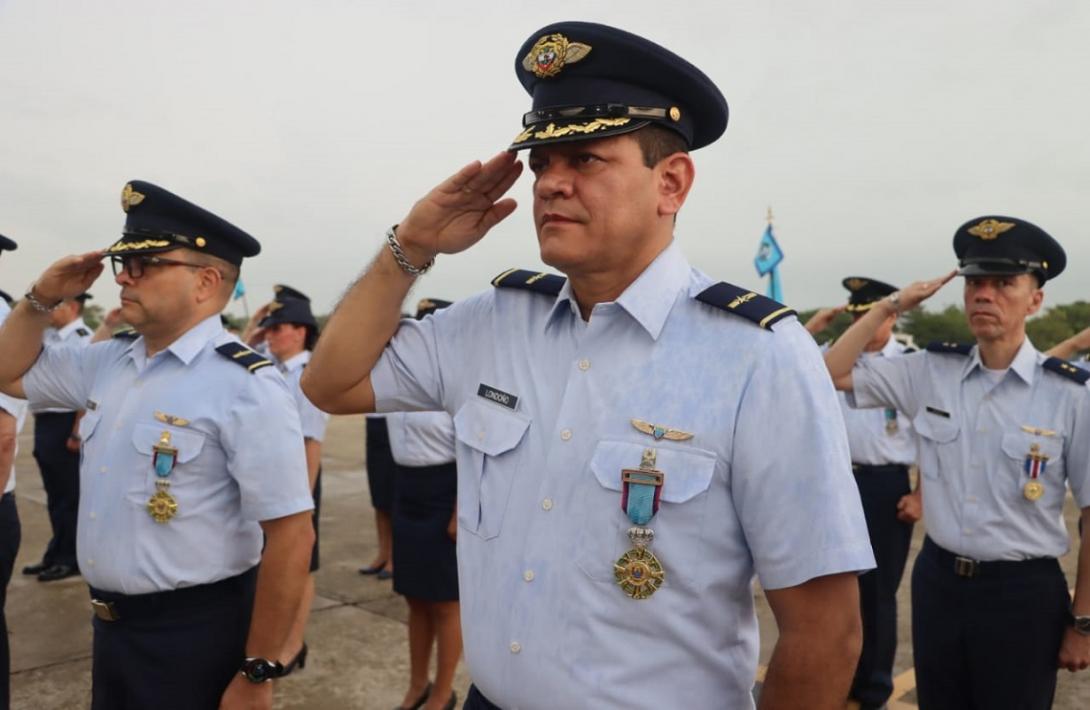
point(657, 142)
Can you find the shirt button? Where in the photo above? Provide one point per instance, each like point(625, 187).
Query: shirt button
point(102, 470)
point(547, 504)
point(565, 435)
point(968, 531)
point(528, 575)
point(480, 435)
point(515, 647)
point(584, 364)
point(90, 563)
point(93, 516)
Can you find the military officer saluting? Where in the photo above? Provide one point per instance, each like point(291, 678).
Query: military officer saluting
point(192, 468)
point(634, 442)
point(1003, 432)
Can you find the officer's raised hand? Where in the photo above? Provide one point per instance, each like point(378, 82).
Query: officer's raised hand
point(68, 277)
point(457, 213)
point(917, 292)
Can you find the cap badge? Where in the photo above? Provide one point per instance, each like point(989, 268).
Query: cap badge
point(855, 284)
point(130, 197)
point(552, 53)
point(989, 229)
point(424, 304)
point(275, 306)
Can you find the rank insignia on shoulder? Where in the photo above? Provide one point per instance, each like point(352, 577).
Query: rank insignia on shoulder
point(750, 305)
point(526, 280)
point(237, 352)
point(949, 348)
point(126, 333)
point(661, 432)
point(82, 332)
point(1063, 367)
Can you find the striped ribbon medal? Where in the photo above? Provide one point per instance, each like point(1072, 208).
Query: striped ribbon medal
point(638, 572)
point(1034, 467)
point(162, 506)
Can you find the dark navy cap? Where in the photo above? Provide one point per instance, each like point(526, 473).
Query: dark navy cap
point(427, 306)
point(999, 246)
point(83, 297)
point(592, 81)
point(864, 293)
point(282, 291)
point(289, 310)
point(157, 220)
point(7, 244)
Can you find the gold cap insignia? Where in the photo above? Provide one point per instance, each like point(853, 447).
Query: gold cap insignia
point(855, 284)
point(200, 241)
point(275, 306)
point(130, 197)
point(675, 114)
point(989, 229)
point(552, 53)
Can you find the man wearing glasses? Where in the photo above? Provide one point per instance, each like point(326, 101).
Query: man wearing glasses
point(191, 456)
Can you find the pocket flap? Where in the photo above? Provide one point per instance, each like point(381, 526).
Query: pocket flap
point(188, 443)
point(1017, 445)
point(935, 427)
point(686, 473)
point(488, 429)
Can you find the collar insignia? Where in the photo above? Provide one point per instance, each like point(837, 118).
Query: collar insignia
point(130, 197)
point(552, 53)
point(989, 229)
point(661, 432)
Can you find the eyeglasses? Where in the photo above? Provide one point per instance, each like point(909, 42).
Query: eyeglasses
point(135, 264)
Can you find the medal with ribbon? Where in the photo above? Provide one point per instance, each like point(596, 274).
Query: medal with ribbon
point(638, 572)
point(891, 420)
point(1034, 467)
point(162, 506)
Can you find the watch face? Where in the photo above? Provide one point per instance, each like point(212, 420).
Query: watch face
point(258, 670)
point(1082, 624)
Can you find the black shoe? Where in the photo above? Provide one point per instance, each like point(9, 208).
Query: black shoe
point(37, 568)
point(368, 570)
point(300, 661)
point(56, 572)
point(452, 702)
point(419, 702)
point(383, 575)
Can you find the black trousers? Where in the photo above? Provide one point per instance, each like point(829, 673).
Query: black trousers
point(172, 650)
point(880, 488)
point(476, 701)
point(60, 477)
point(988, 641)
point(10, 534)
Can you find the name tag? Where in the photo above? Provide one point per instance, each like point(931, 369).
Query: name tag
point(939, 412)
point(500, 397)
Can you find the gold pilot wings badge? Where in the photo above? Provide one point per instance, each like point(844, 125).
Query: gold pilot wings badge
point(171, 419)
point(661, 432)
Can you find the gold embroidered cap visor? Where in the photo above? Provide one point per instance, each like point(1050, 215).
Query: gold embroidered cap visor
point(994, 245)
point(157, 220)
point(592, 81)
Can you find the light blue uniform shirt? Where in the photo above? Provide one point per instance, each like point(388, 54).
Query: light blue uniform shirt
point(764, 486)
point(869, 440)
point(974, 440)
point(240, 457)
point(13, 406)
point(312, 420)
point(75, 333)
point(421, 438)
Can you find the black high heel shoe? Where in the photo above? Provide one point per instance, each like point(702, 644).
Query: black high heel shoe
point(373, 570)
point(300, 661)
point(419, 702)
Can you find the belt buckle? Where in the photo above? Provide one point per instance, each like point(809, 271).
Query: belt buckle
point(966, 567)
point(105, 610)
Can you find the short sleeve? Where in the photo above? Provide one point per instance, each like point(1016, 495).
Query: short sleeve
point(791, 478)
point(13, 406)
point(887, 382)
point(1078, 453)
point(264, 445)
point(62, 375)
point(312, 420)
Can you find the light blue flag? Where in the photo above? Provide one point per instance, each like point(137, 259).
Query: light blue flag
point(769, 256)
point(240, 290)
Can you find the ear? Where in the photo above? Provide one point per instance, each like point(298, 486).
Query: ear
point(674, 175)
point(1037, 298)
point(209, 282)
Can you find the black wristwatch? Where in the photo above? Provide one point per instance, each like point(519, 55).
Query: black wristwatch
point(261, 670)
point(1081, 624)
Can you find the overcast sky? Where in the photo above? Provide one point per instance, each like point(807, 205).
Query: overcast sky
point(873, 129)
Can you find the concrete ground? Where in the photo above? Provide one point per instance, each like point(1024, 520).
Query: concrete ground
point(357, 635)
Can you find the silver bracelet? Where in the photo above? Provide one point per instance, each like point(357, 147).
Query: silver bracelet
point(37, 305)
point(399, 255)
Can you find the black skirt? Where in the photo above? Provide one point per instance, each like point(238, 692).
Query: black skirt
point(380, 465)
point(316, 494)
point(425, 563)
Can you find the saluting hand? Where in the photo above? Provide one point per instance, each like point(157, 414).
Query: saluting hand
point(917, 292)
point(68, 277)
point(822, 319)
point(456, 214)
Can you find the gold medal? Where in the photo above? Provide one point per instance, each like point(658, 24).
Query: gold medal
point(162, 506)
point(639, 573)
point(1033, 490)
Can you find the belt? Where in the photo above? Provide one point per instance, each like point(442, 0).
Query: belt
point(111, 606)
point(879, 468)
point(967, 567)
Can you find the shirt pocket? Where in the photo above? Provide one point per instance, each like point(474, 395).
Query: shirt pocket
point(188, 443)
point(487, 441)
point(1016, 447)
point(939, 445)
point(679, 524)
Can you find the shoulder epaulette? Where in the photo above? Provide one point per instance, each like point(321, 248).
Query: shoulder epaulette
point(949, 348)
point(1066, 369)
point(126, 333)
point(909, 350)
point(750, 305)
point(536, 281)
point(82, 332)
point(4, 295)
point(237, 352)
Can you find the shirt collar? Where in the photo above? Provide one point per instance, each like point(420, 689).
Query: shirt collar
point(1024, 364)
point(64, 332)
point(295, 361)
point(186, 347)
point(649, 298)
